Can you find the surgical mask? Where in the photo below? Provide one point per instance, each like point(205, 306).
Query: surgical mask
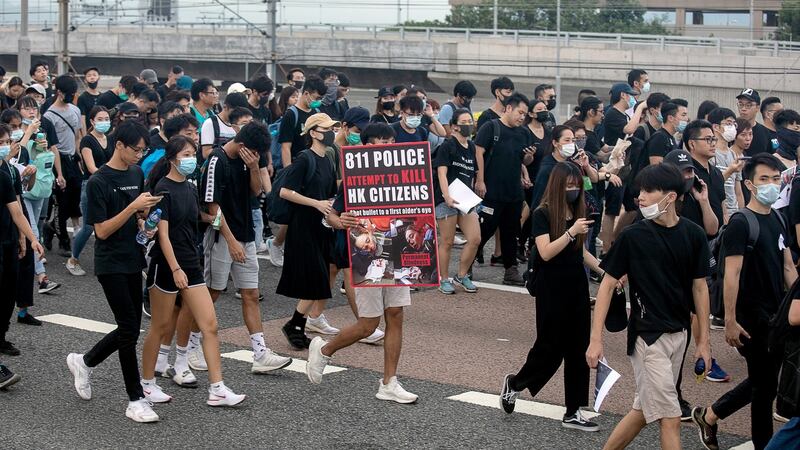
point(299, 84)
point(567, 150)
point(653, 211)
point(328, 137)
point(17, 135)
point(580, 143)
point(4, 151)
point(729, 133)
point(542, 116)
point(682, 125)
point(92, 84)
point(436, 116)
point(186, 166)
point(123, 96)
point(314, 104)
point(465, 130)
point(659, 118)
point(102, 126)
point(631, 102)
point(387, 105)
point(26, 122)
point(413, 121)
point(767, 194)
point(551, 104)
point(353, 138)
point(572, 195)
point(646, 87)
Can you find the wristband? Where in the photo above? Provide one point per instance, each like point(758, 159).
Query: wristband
point(570, 236)
point(176, 270)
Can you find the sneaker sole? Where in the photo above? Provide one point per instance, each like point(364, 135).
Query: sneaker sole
point(371, 342)
point(270, 369)
point(9, 382)
point(140, 420)
point(196, 367)
point(314, 329)
point(718, 380)
point(717, 327)
point(580, 427)
point(218, 404)
point(500, 399)
point(395, 399)
point(447, 292)
point(470, 291)
point(45, 291)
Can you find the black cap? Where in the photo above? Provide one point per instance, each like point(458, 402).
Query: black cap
point(384, 91)
point(357, 116)
point(618, 88)
point(750, 94)
point(680, 158)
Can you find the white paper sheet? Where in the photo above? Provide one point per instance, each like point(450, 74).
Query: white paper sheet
point(606, 377)
point(466, 198)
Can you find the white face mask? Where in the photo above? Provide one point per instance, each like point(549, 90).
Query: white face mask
point(653, 211)
point(646, 88)
point(567, 150)
point(729, 133)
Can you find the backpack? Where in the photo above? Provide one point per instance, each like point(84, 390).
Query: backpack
point(487, 153)
point(43, 187)
point(274, 130)
point(784, 340)
point(150, 160)
point(219, 141)
point(278, 209)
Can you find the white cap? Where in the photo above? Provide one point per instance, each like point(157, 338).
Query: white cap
point(236, 87)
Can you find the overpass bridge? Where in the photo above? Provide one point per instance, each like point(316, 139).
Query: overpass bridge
point(690, 67)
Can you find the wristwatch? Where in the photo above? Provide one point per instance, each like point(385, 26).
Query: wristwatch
point(608, 176)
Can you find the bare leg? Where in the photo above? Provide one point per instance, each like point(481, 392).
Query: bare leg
point(161, 306)
point(497, 248)
point(280, 235)
point(607, 231)
point(393, 342)
point(198, 301)
point(626, 430)
point(304, 306)
point(251, 311)
point(350, 292)
point(351, 334)
point(317, 308)
point(472, 232)
point(447, 231)
point(184, 327)
point(670, 433)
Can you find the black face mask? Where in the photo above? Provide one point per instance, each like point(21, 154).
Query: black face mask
point(69, 97)
point(327, 138)
point(387, 105)
point(92, 84)
point(465, 130)
point(299, 85)
point(572, 195)
point(263, 100)
point(466, 102)
point(542, 116)
point(551, 104)
point(687, 185)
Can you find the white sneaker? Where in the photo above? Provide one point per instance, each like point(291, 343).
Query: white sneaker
point(459, 240)
point(223, 396)
point(316, 360)
point(185, 379)
point(374, 338)
point(75, 269)
point(154, 394)
point(320, 325)
point(140, 411)
point(275, 253)
point(82, 375)
point(197, 360)
point(394, 392)
point(262, 247)
point(270, 361)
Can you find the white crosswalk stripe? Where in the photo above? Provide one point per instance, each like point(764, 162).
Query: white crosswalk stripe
point(532, 408)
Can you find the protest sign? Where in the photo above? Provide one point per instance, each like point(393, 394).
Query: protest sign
point(389, 189)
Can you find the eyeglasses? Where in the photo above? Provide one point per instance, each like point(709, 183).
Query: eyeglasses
point(710, 140)
point(746, 105)
point(214, 93)
point(137, 149)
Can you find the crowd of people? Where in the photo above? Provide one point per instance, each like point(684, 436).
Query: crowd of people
point(695, 215)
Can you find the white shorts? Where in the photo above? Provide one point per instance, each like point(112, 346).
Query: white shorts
point(656, 368)
point(372, 301)
point(218, 264)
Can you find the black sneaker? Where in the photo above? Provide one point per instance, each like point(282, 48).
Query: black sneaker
point(508, 396)
point(479, 257)
point(594, 276)
point(45, 286)
point(295, 336)
point(577, 422)
point(64, 249)
point(7, 348)
point(686, 410)
point(512, 277)
point(717, 323)
point(7, 377)
point(496, 260)
point(28, 319)
point(707, 433)
point(521, 254)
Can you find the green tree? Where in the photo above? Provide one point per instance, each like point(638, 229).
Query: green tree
point(618, 16)
point(788, 21)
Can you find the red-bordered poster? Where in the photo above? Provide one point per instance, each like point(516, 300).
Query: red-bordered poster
point(389, 188)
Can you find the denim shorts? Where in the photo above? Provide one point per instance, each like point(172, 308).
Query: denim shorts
point(443, 211)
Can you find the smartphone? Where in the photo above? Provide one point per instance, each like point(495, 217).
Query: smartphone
point(744, 158)
point(594, 215)
point(697, 185)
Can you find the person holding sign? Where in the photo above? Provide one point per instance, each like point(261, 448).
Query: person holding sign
point(455, 160)
point(563, 311)
point(308, 242)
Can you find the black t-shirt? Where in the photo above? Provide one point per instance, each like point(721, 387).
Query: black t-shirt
point(761, 141)
point(322, 185)
point(109, 99)
point(761, 279)
point(100, 154)
point(180, 207)
point(614, 123)
point(543, 148)
point(86, 102)
point(156, 141)
point(109, 192)
point(460, 163)
point(420, 133)
point(290, 129)
point(542, 177)
point(640, 132)
point(383, 118)
point(593, 142)
point(261, 113)
point(540, 223)
point(661, 268)
point(486, 116)
point(10, 188)
point(794, 212)
point(772, 137)
point(504, 157)
point(660, 143)
point(716, 195)
point(226, 182)
point(335, 110)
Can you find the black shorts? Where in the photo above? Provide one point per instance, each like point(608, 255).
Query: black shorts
point(629, 198)
point(339, 255)
point(613, 200)
point(159, 276)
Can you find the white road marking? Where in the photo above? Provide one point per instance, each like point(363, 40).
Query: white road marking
point(746, 446)
point(532, 408)
point(263, 257)
point(297, 365)
point(502, 287)
point(79, 323)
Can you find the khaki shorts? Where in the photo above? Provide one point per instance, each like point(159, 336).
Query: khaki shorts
point(372, 301)
point(656, 368)
point(219, 264)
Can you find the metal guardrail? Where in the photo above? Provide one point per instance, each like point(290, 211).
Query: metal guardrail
point(620, 40)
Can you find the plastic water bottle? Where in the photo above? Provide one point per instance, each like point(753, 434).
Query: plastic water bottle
point(149, 224)
point(39, 137)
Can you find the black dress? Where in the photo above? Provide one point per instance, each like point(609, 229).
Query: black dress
point(308, 245)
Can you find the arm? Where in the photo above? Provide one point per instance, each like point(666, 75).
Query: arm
point(20, 221)
point(88, 159)
point(794, 313)
point(591, 262)
point(266, 184)
point(166, 245)
point(595, 351)
point(630, 128)
point(737, 187)
point(286, 154)
point(206, 149)
point(442, 172)
point(480, 184)
point(110, 226)
point(701, 308)
point(549, 250)
point(655, 160)
point(710, 221)
point(730, 291)
point(789, 269)
point(322, 206)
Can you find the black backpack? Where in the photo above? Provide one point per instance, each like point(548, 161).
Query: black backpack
point(278, 209)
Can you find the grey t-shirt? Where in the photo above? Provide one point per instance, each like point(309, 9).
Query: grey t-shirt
point(723, 159)
point(69, 117)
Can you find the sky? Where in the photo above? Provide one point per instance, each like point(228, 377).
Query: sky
point(361, 12)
